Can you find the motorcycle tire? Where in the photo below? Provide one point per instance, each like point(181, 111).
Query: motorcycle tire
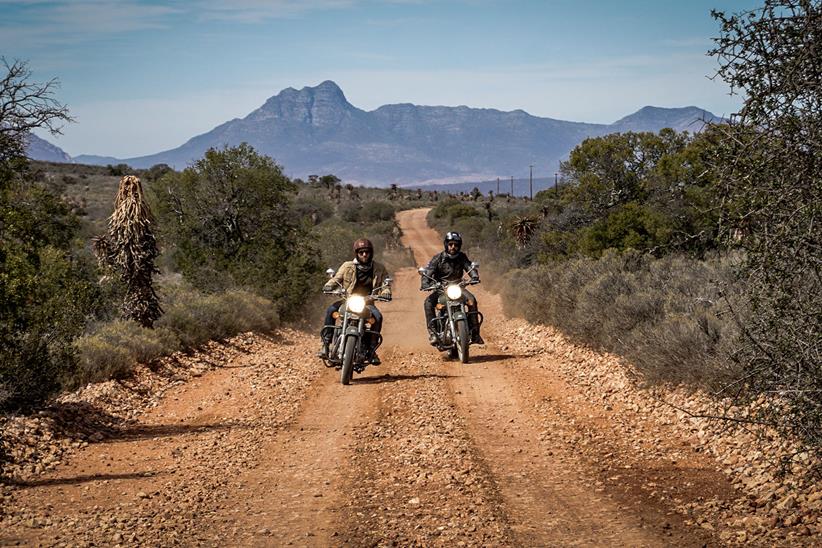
point(463, 340)
point(348, 359)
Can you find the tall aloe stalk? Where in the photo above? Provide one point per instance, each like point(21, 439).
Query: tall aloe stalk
point(130, 249)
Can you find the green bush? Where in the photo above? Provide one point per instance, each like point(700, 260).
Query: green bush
point(451, 210)
point(46, 294)
point(631, 226)
point(377, 210)
point(230, 223)
point(312, 209)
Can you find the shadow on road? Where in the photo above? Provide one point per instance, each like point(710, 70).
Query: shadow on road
point(484, 358)
point(162, 430)
point(394, 378)
point(82, 479)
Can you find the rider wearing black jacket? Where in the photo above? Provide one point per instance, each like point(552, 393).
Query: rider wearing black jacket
point(449, 266)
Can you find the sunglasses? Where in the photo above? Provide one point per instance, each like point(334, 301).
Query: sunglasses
point(363, 252)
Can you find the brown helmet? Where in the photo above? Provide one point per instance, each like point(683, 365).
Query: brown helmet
point(363, 243)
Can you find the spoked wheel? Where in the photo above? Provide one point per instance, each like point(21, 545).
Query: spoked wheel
point(462, 341)
point(348, 360)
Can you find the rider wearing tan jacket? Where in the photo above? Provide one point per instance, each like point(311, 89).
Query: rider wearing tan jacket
point(347, 277)
point(360, 276)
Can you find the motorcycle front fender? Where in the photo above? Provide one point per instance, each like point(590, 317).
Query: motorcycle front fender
point(458, 313)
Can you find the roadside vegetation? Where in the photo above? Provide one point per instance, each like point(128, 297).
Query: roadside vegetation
point(696, 257)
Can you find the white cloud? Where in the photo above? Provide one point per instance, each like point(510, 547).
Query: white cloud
point(60, 23)
point(257, 11)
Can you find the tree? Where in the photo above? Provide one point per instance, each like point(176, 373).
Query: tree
point(771, 188)
point(46, 292)
point(25, 106)
point(230, 222)
point(612, 170)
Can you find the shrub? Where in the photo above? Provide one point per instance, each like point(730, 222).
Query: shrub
point(46, 293)
point(771, 183)
point(111, 349)
point(313, 210)
point(196, 318)
point(664, 315)
point(377, 210)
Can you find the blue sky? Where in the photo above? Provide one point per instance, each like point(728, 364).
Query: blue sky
point(145, 76)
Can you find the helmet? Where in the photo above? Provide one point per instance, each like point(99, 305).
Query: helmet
point(452, 237)
point(360, 245)
point(363, 243)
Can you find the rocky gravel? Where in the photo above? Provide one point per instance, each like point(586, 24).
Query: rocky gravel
point(773, 508)
point(421, 482)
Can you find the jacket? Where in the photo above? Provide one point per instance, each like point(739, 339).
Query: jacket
point(443, 268)
point(347, 276)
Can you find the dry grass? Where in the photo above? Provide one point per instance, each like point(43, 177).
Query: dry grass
point(111, 349)
point(666, 316)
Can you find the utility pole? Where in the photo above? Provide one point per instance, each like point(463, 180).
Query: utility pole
point(512, 186)
point(497, 186)
point(531, 181)
point(556, 184)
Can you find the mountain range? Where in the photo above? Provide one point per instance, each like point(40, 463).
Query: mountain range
point(315, 130)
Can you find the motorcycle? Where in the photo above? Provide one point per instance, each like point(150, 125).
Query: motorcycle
point(450, 323)
point(349, 351)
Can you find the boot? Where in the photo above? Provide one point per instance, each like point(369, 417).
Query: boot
point(432, 337)
point(375, 360)
point(476, 339)
point(323, 353)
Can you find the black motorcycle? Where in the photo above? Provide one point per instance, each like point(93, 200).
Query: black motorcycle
point(350, 351)
point(450, 323)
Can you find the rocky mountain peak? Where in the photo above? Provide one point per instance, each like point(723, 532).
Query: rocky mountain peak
point(324, 104)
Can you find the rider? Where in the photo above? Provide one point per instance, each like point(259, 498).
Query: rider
point(449, 266)
point(359, 277)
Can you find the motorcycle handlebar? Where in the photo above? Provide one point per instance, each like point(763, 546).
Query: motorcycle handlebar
point(440, 286)
point(342, 293)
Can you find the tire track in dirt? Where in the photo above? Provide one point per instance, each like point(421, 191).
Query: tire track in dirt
point(294, 494)
point(549, 494)
point(417, 480)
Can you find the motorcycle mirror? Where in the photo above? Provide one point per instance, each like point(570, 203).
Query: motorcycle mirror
point(388, 281)
point(330, 272)
point(474, 265)
point(421, 270)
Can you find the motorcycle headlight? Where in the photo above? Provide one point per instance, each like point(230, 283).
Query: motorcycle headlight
point(454, 292)
point(356, 304)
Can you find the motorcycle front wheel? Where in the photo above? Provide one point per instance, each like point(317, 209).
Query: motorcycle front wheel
point(348, 359)
point(462, 341)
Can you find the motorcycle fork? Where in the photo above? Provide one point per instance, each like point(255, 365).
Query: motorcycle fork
point(452, 307)
point(346, 331)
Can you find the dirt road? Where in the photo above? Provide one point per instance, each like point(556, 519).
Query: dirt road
point(270, 449)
